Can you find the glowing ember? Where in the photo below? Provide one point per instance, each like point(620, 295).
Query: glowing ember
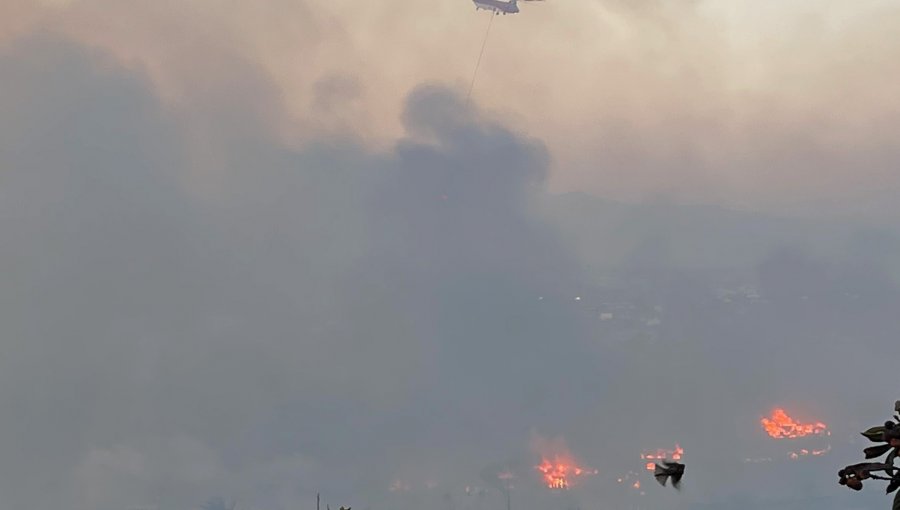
point(558, 467)
point(630, 479)
point(822, 451)
point(656, 455)
point(782, 426)
point(814, 453)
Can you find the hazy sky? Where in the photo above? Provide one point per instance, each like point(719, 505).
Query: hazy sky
point(264, 249)
point(785, 105)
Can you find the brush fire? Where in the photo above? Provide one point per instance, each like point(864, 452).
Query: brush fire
point(781, 426)
point(652, 456)
point(561, 471)
point(558, 468)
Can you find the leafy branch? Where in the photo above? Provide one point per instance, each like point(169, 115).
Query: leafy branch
point(888, 435)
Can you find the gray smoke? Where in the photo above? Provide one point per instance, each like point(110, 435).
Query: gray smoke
point(194, 316)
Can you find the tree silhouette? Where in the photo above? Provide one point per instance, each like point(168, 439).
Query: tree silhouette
point(888, 437)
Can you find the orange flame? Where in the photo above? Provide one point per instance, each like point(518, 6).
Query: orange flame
point(561, 471)
point(558, 467)
point(660, 454)
point(630, 478)
point(782, 426)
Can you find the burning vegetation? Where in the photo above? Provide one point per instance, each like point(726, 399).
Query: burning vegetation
point(781, 426)
point(561, 471)
point(558, 468)
point(651, 456)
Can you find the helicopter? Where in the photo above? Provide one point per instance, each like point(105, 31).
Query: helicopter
point(499, 6)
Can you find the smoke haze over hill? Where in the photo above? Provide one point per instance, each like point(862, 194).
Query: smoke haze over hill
point(211, 291)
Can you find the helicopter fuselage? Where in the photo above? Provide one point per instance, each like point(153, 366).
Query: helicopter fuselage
point(497, 6)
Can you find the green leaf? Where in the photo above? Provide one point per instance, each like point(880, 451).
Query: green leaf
point(891, 456)
point(896, 502)
point(875, 434)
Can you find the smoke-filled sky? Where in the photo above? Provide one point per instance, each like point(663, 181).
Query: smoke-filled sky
point(259, 250)
point(778, 105)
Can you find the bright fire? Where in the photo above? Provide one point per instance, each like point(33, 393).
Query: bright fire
point(558, 467)
point(560, 472)
point(782, 426)
point(655, 455)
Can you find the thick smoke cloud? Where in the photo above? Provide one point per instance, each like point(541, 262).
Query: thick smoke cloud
point(193, 309)
point(786, 107)
point(317, 316)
